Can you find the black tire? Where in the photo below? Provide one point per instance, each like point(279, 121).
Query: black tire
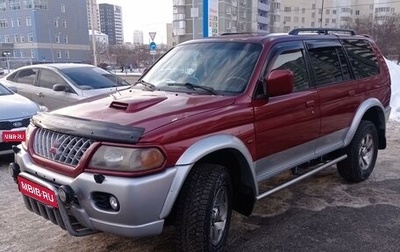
point(203, 209)
point(361, 154)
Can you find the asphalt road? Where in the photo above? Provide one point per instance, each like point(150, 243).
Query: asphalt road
point(322, 213)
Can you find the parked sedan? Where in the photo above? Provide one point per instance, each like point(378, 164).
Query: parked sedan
point(1, 71)
point(15, 114)
point(61, 84)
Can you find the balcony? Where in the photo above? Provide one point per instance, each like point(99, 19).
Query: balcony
point(262, 20)
point(263, 6)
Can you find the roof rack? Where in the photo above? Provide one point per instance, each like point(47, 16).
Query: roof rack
point(325, 31)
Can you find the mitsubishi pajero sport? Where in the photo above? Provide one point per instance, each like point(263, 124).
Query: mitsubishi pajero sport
point(193, 139)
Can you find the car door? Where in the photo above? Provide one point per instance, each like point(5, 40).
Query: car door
point(339, 94)
point(287, 126)
point(47, 96)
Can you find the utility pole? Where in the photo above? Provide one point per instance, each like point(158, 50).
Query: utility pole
point(322, 12)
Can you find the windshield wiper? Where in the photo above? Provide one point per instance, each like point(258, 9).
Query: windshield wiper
point(146, 84)
point(194, 86)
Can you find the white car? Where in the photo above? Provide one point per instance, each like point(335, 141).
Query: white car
point(15, 114)
point(61, 84)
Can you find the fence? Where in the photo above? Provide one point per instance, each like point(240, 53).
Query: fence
point(11, 63)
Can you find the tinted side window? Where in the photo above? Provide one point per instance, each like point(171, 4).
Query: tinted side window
point(294, 61)
point(362, 58)
point(48, 78)
point(329, 65)
point(26, 76)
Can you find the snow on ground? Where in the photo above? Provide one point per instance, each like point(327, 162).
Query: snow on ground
point(395, 98)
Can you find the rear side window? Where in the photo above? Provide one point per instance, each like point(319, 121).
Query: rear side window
point(362, 58)
point(329, 65)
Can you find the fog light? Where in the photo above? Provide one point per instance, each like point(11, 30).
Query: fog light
point(113, 203)
point(66, 194)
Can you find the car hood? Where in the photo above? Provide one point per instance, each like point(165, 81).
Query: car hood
point(16, 106)
point(149, 110)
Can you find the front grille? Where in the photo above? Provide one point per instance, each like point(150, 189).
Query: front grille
point(7, 125)
point(61, 148)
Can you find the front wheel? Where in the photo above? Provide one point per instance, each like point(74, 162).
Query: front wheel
point(204, 208)
point(361, 154)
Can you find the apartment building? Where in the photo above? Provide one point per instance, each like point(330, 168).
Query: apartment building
point(93, 15)
point(329, 13)
point(204, 18)
point(44, 30)
point(111, 23)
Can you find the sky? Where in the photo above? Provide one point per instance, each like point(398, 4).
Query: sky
point(144, 15)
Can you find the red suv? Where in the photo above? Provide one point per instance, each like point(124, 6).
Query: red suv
point(202, 128)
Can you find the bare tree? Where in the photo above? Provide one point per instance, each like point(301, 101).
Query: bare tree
point(385, 30)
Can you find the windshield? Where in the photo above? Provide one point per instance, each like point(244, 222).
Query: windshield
point(4, 90)
point(221, 67)
point(93, 78)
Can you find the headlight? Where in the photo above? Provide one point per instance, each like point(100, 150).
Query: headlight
point(43, 108)
point(28, 134)
point(126, 159)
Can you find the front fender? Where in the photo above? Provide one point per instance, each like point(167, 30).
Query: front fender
point(196, 152)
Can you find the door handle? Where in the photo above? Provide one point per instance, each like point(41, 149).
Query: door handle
point(40, 94)
point(310, 103)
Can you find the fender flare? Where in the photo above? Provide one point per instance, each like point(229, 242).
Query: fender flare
point(362, 109)
point(194, 153)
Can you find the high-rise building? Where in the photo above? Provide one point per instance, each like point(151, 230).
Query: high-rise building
point(45, 31)
point(137, 38)
point(93, 15)
point(111, 23)
point(202, 18)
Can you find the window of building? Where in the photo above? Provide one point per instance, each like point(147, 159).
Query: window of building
point(67, 54)
point(32, 53)
point(313, 6)
point(303, 20)
point(286, 19)
point(30, 37)
point(327, 11)
point(320, 11)
point(362, 58)
point(357, 12)
point(57, 38)
point(66, 39)
point(296, 19)
point(312, 24)
point(287, 9)
point(303, 10)
point(28, 4)
point(334, 20)
point(41, 4)
point(22, 38)
point(6, 39)
point(14, 4)
point(28, 21)
point(3, 6)
point(12, 22)
point(63, 8)
point(326, 20)
point(56, 22)
point(64, 23)
point(333, 11)
point(59, 54)
point(19, 22)
point(16, 38)
point(22, 54)
point(313, 15)
point(296, 10)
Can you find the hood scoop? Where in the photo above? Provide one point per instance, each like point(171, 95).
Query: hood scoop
point(137, 104)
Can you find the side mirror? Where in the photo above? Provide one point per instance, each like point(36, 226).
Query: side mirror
point(59, 87)
point(279, 82)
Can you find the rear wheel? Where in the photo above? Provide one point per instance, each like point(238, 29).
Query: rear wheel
point(361, 154)
point(203, 209)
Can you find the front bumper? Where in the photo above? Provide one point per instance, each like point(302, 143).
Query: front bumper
point(141, 201)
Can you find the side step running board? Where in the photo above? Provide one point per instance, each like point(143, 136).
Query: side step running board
point(297, 179)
